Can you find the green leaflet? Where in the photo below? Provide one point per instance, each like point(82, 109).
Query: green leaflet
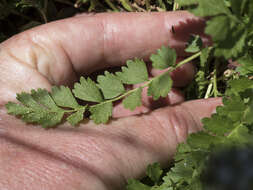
point(135, 72)
point(205, 53)
point(160, 86)
point(202, 140)
point(110, 85)
point(164, 58)
point(240, 135)
point(63, 97)
point(218, 125)
point(246, 65)
point(234, 108)
point(133, 100)
point(87, 90)
point(154, 172)
point(136, 185)
point(76, 117)
point(194, 44)
point(239, 85)
point(218, 27)
point(101, 113)
point(126, 4)
point(233, 45)
point(204, 8)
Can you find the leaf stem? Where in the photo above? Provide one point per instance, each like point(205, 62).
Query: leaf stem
point(215, 81)
point(175, 6)
point(194, 56)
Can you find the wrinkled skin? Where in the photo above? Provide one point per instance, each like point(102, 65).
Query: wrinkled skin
point(94, 157)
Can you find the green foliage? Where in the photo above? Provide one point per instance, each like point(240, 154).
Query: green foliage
point(48, 108)
point(230, 126)
point(154, 172)
point(230, 26)
point(229, 29)
point(246, 65)
point(19, 15)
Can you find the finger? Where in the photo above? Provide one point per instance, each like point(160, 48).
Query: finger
point(148, 104)
point(105, 154)
point(64, 49)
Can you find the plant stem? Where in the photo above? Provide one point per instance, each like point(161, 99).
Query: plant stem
point(162, 5)
point(215, 81)
point(147, 4)
point(175, 6)
point(215, 88)
point(147, 83)
point(43, 15)
point(110, 4)
point(209, 89)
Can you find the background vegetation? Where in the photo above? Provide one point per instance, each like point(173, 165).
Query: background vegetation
point(19, 15)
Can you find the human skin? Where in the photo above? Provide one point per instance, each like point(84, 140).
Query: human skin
point(94, 157)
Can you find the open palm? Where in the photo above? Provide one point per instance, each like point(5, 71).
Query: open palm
point(94, 157)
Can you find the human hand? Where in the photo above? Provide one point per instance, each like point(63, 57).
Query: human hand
point(93, 157)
